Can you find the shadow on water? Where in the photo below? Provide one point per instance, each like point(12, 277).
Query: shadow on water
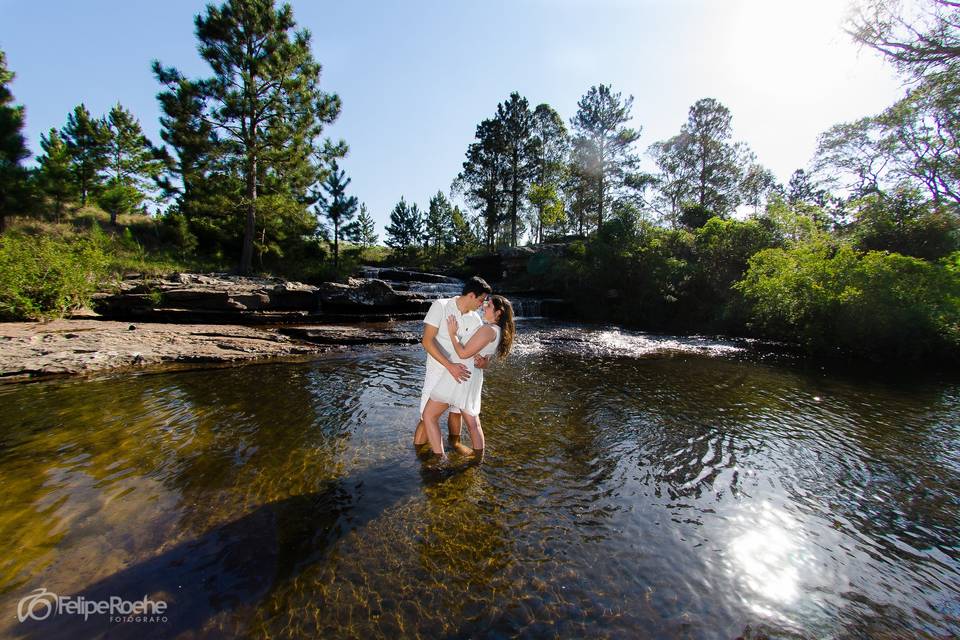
point(238, 564)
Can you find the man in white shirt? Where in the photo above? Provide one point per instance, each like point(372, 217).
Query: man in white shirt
point(439, 350)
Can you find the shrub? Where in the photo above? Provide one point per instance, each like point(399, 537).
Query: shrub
point(878, 305)
point(41, 277)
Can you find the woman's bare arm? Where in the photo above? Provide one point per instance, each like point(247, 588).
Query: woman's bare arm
point(483, 336)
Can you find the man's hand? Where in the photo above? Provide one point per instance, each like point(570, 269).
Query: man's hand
point(459, 371)
point(481, 362)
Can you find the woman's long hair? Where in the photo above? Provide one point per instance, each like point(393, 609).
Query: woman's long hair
point(507, 328)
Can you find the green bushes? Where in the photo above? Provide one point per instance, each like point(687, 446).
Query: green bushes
point(836, 300)
point(41, 277)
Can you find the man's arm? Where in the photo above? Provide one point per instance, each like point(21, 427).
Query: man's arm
point(459, 371)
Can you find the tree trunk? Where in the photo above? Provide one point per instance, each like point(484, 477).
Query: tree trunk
point(336, 247)
point(246, 257)
point(600, 208)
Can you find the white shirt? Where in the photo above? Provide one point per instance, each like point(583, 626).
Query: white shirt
point(437, 317)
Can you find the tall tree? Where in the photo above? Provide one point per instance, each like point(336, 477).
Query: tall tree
point(13, 149)
point(134, 163)
point(438, 227)
point(921, 39)
point(580, 184)
point(756, 185)
point(88, 140)
point(188, 134)
point(516, 122)
point(463, 236)
point(701, 165)
point(338, 208)
point(600, 125)
point(484, 175)
point(54, 174)
point(552, 147)
point(366, 229)
point(406, 227)
point(265, 103)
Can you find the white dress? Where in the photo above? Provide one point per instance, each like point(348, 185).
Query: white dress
point(466, 395)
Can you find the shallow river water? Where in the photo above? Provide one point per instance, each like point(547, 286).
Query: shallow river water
point(634, 486)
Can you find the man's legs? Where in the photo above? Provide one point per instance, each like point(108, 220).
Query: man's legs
point(454, 427)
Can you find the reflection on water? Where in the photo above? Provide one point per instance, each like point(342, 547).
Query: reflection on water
point(634, 486)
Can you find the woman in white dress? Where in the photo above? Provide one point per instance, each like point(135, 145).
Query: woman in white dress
point(495, 336)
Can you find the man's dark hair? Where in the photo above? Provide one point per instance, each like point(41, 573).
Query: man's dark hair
point(477, 286)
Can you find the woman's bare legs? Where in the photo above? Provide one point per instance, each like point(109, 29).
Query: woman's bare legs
point(431, 423)
point(476, 433)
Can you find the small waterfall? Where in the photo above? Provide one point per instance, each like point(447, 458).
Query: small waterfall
point(437, 289)
point(526, 307)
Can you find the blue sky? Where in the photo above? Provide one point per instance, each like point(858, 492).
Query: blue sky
point(417, 77)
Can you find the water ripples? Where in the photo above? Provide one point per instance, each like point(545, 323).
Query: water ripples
point(671, 487)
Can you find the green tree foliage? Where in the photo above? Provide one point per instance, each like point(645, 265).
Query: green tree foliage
point(405, 231)
point(904, 222)
point(838, 301)
point(339, 210)
point(366, 229)
point(265, 111)
point(516, 123)
point(117, 198)
point(54, 174)
point(133, 163)
point(721, 253)
point(605, 143)
point(580, 185)
point(88, 139)
point(438, 225)
point(13, 149)
point(551, 150)
point(915, 142)
point(923, 44)
point(701, 164)
point(464, 238)
point(548, 205)
point(484, 176)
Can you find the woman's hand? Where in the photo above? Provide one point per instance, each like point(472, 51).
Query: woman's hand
point(452, 325)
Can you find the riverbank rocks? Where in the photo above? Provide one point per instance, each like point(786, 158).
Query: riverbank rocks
point(36, 350)
point(226, 298)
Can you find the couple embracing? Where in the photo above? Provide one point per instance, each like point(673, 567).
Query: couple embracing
point(461, 335)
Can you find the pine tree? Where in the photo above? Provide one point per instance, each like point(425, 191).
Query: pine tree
point(13, 149)
point(606, 157)
point(439, 224)
point(367, 236)
point(516, 122)
point(54, 175)
point(484, 176)
point(87, 139)
point(551, 150)
point(338, 209)
point(464, 238)
point(405, 229)
point(134, 164)
point(265, 104)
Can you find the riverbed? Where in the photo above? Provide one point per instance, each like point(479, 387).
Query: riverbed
point(633, 486)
